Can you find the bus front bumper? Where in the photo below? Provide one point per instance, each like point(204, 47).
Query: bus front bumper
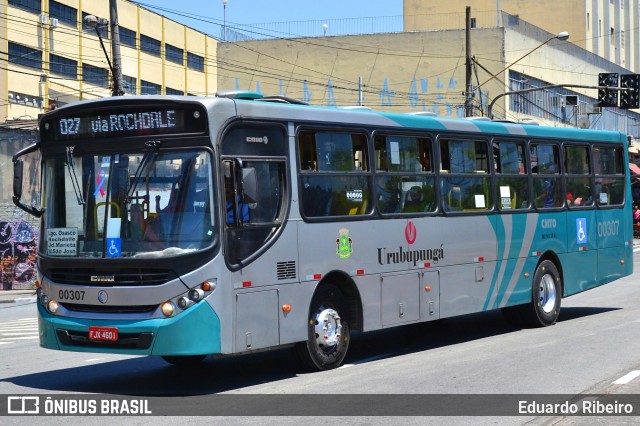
point(195, 331)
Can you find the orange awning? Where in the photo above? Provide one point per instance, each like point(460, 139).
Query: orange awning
point(634, 169)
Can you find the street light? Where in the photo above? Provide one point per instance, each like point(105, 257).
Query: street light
point(561, 36)
point(92, 22)
point(224, 19)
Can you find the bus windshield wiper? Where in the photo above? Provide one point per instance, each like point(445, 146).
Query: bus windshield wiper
point(72, 174)
point(152, 148)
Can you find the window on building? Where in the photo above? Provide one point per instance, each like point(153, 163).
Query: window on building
point(28, 100)
point(129, 84)
point(195, 62)
point(150, 45)
point(25, 56)
point(64, 14)
point(62, 66)
point(176, 92)
point(128, 37)
point(33, 6)
point(95, 75)
point(148, 88)
point(174, 54)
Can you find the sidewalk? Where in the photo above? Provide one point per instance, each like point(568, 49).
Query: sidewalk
point(15, 296)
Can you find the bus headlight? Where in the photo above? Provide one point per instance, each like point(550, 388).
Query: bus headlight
point(44, 299)
point(52, 306)
point(167, 309)
point(196, 294)
point(184, 303)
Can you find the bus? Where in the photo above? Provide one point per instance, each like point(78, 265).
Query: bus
point(187, 227)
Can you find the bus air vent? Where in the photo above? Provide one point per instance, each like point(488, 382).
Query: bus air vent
point(287, 270)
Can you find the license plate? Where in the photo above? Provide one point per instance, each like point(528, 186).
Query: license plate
point(103, 333)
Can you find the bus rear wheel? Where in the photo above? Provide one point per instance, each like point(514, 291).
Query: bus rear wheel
point(546, 294)
point(328, 331)
point(185, 360)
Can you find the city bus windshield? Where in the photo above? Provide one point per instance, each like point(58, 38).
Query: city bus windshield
point(148, 204)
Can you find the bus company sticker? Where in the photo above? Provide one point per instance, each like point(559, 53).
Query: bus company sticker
point(410, 233)
point(355, 195)
point(345, 244)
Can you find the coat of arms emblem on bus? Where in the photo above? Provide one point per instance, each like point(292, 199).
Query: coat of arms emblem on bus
point(345, 243)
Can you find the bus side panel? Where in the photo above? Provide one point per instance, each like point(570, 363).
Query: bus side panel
point(580, 264)
point(370, 295)
point(612, 250)
point(508, 287)
point(470, 253)
point(351, 247)
point(579, 269)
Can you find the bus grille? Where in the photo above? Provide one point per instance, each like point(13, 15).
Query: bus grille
point(125, 340)
point(108, 309)
point(123, 277)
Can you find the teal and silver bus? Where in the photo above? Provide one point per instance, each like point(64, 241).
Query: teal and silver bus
point(185, 227)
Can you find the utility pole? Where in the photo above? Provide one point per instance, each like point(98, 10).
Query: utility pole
point(468, 94)
point(115, 49)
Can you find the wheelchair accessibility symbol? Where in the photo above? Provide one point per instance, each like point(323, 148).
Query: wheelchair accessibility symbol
point(581, 230)
point(114, 247)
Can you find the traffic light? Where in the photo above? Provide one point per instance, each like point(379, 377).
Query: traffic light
point(606, 96)
point(630, 91)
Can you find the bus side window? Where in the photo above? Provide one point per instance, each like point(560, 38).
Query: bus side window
point(512, 182)
point(337, 185)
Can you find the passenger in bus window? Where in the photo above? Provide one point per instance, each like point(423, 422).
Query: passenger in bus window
point(243, 208)
point(547, 196)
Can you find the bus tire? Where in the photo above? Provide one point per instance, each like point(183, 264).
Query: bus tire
point(185, 360)
point(328, 331)
point(546, 295)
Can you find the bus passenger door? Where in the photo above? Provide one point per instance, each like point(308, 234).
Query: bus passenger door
point(400, 303)
point(429, 295)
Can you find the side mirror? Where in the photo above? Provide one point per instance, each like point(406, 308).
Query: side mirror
point(18, 168)
point(18, 176)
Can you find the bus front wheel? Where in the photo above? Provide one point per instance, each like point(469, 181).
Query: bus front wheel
point(328, 331)
point(546, 295)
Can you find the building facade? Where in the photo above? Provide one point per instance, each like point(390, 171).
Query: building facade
point(606, 28)
point(53, 57)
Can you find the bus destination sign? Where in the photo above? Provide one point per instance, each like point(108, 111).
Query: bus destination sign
point(134, 121)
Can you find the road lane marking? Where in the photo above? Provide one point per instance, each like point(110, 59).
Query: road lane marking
point(18, 334)
point(627, 378)
point(20, 338)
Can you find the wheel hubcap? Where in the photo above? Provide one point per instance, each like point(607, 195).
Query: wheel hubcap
point(328, 328)
point(547, 293)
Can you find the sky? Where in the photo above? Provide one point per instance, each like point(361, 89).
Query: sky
point(208, 16)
